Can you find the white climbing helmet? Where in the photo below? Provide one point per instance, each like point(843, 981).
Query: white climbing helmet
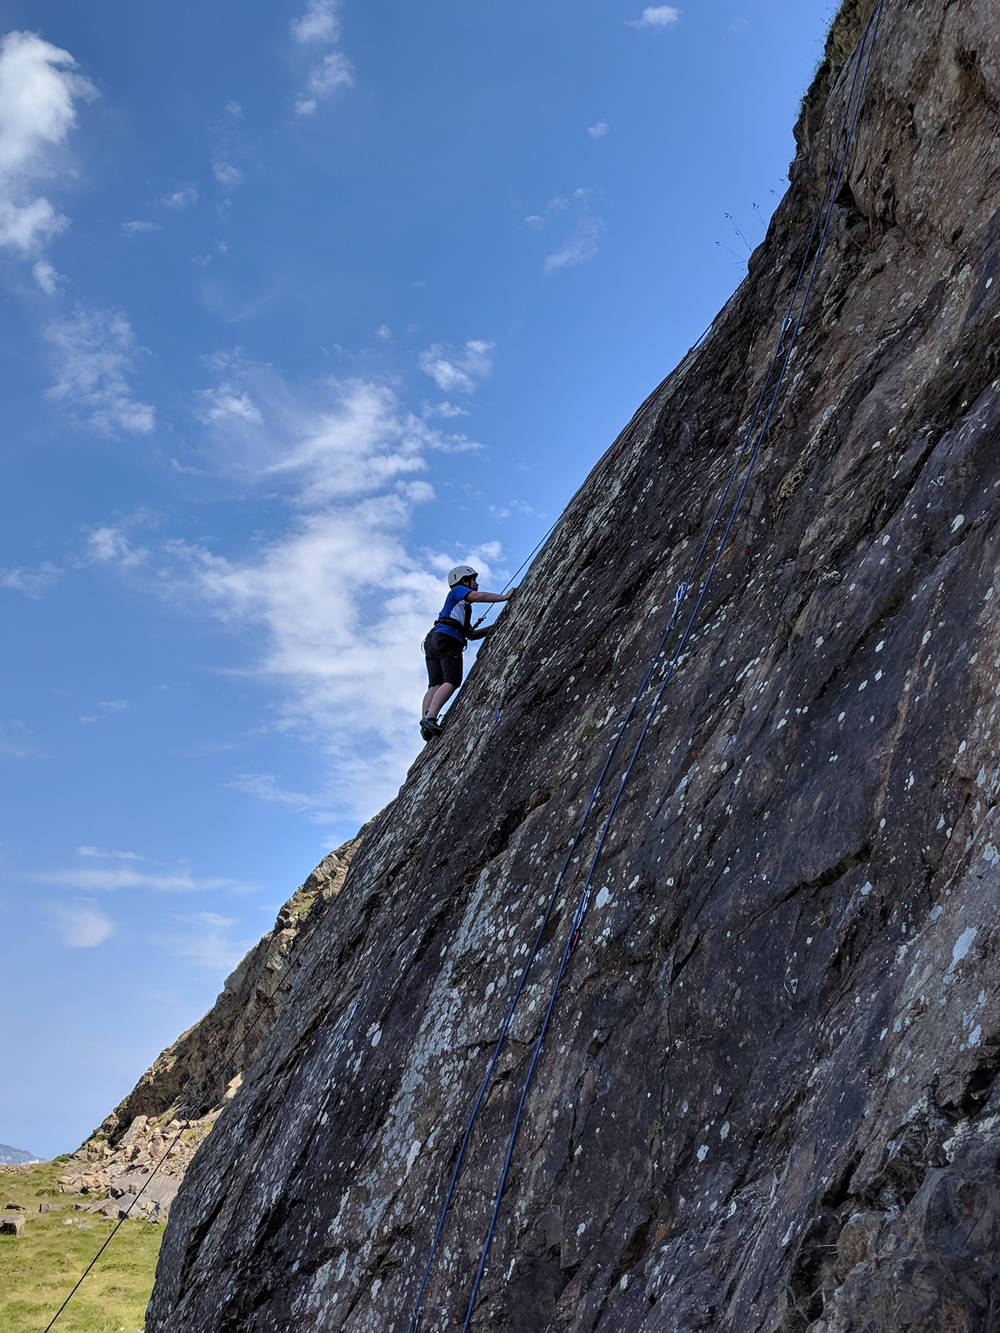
point(460, 573)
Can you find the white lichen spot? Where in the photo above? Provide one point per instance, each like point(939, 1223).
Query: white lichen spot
point(702, 1152)
point(602, 898)
point(957, 522)
point(962, 946)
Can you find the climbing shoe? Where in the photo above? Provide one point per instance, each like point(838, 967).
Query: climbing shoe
point(429, 728)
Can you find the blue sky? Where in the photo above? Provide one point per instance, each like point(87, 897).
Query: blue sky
point(302, 303)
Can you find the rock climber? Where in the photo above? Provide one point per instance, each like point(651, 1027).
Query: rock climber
point(446, 642)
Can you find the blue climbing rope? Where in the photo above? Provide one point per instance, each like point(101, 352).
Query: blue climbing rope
point(794, 327)
point(782, 354)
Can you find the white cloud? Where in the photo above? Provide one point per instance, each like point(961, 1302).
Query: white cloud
point(32, 582)
point(458, 372)
point(28, 227)
point(39, 90)
point(81, 925)
point(46, 277)
point(334, 71)
point(265, 787)
point(227, 175)
point(444, 409)
point(336, 607)
point(225, 402)
point(185, 197)
point(94, 352)
point(110, 545)
point(656, 16)
point(384, 332)
point(87, 850)
point(109, 880)
point(135, 228)
point(737, 26)
point(234, 109)
point(599, 130)
point(320, 26)
point(351, 439)
point(319, 23)
point(581, 245)
point(332, 608)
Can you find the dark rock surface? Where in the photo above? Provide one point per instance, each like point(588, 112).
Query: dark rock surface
point(768, 1097)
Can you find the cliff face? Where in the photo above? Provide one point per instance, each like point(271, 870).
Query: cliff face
point(180, 1097)
point(767, 1098)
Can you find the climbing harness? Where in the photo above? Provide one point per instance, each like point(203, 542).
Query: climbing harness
point(790, 327)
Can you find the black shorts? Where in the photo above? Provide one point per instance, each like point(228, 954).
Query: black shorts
point(443, 653)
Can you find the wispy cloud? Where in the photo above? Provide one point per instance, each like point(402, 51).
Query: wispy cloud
point(184, 197)
point(656, 16)
point(224, 402)
point(97, 853)
point(46, 277)
point(110, 879)
point(111, 545)
point(227, 175)
point(81, 925)
point(17, 742)
point(138, 227)
point(333, 606)
point(265, 787)
point(94, 354)
point(205, 938)
point(580, 246)
point(39, 92)
point(444, 409)
point(452, 371)
point(319, 26)
point(599, 130)
point(32, 582)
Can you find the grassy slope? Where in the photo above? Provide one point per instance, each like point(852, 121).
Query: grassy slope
point(39, 1268)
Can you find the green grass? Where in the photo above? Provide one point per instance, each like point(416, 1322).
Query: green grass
point(39, 1268)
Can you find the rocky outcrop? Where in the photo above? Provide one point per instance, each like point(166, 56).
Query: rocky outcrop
point(170, 1111)
point(768, 1098)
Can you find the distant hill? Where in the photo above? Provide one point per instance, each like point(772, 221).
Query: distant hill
point(14, 1156)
